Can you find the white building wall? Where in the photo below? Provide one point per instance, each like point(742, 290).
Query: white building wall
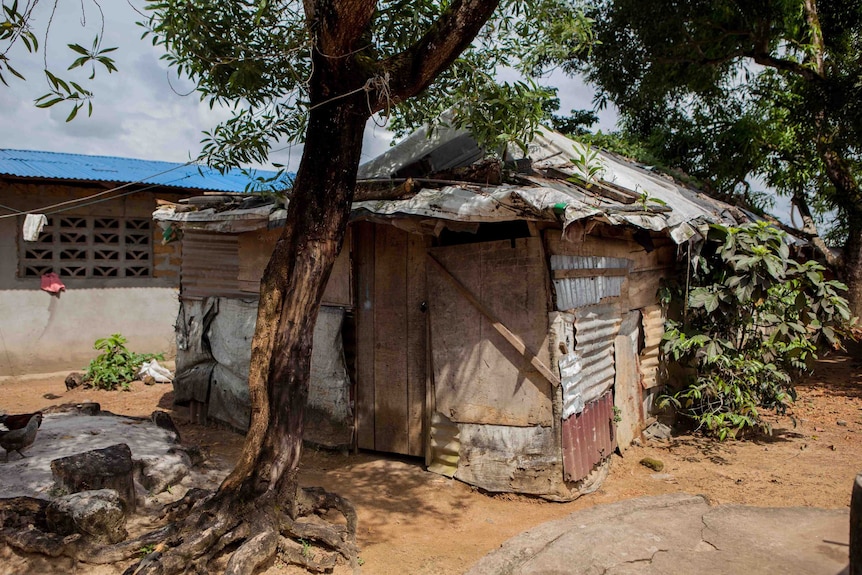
point(42, 333)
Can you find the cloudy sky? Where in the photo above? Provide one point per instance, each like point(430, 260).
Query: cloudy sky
point(139, 112)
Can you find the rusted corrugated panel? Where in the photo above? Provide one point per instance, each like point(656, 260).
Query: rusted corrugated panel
point(578, 292)
point(211, 265)
point(588, 438)
point(653, 328)
point(589, 371)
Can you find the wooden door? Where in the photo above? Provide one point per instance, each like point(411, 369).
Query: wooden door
point(390, 338)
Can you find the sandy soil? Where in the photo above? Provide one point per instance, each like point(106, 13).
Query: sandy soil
point(415, 522)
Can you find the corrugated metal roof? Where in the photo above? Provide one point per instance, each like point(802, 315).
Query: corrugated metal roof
point(628, 194)
point(678, 209)
point(79, 167)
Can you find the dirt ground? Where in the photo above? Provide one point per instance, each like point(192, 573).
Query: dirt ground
point(415, 522)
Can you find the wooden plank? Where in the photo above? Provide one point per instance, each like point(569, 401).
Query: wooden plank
point(365, 340)
point(589, 273)
point(643, 288)
point(338, 290)
point(210, 265)
point(513, 339)
point(430, 408)
point(627, 383)
point(478, 376)
point(255, 249)
point(590, 245)
point(416, 308)
point(390, 329)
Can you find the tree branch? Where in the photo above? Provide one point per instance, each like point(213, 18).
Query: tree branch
point(809, 228)
point(413, 70)
point(337, 26)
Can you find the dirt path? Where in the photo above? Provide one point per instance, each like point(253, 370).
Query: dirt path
point(415, 522)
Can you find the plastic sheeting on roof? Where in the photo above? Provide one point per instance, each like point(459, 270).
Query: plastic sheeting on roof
point(79, 167)
point(681, 212)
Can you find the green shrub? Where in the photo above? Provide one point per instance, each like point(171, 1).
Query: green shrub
point(753, 320)
point(116, 365)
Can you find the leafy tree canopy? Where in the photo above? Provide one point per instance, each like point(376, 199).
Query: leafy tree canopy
point(257, 57)
point(728, 90)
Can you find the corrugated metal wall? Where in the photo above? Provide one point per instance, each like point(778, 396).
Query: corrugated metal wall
point(588, 438)
point(210, 265)
point(581, 291)
point(588, 372)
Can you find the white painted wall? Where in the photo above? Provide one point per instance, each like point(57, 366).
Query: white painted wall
point(41, 333)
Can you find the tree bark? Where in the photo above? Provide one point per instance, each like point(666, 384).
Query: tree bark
point(294, 279)
point(853, 261)
point(291, 289)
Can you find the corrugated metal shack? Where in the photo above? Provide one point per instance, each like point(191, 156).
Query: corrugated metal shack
point(500, 319)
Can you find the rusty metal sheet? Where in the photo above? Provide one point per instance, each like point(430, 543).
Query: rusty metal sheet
point(588, 371)
point(653, 329)
point(588, 438)
point(578, 292)
point(210, 265)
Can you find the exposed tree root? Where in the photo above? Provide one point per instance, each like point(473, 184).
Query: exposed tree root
point(202, 528)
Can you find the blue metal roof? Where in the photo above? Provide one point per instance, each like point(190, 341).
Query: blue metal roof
point(78, 167)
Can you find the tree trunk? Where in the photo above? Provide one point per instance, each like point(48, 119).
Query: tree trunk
point(853, 261)
point(291, 289)
point(848, 199)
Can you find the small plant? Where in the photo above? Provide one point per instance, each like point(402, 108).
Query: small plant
point(589, 164)
point(306, 549)
point(57, 491)
point(116, 366)
point(618, 414)
point(647, 202)
point(146, 550)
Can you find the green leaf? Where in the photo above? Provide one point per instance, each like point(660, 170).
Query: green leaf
point(79, 49)
point(703, 298)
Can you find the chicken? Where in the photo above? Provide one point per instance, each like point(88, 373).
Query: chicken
point(18, 439)
point(16, 421)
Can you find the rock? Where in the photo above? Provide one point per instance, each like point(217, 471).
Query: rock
point(97, 514)
point(196, 455)
point(658, 430)
point(148, 380)
point(652, 463)
point(110, 467)
point(163, 420)
point(89, 408)
point(841, 422)
point(158, 474)
point(74, 379)
point(663, 477)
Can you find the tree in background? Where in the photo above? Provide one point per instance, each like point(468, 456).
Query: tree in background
point(316, 72)
point(730, 90)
